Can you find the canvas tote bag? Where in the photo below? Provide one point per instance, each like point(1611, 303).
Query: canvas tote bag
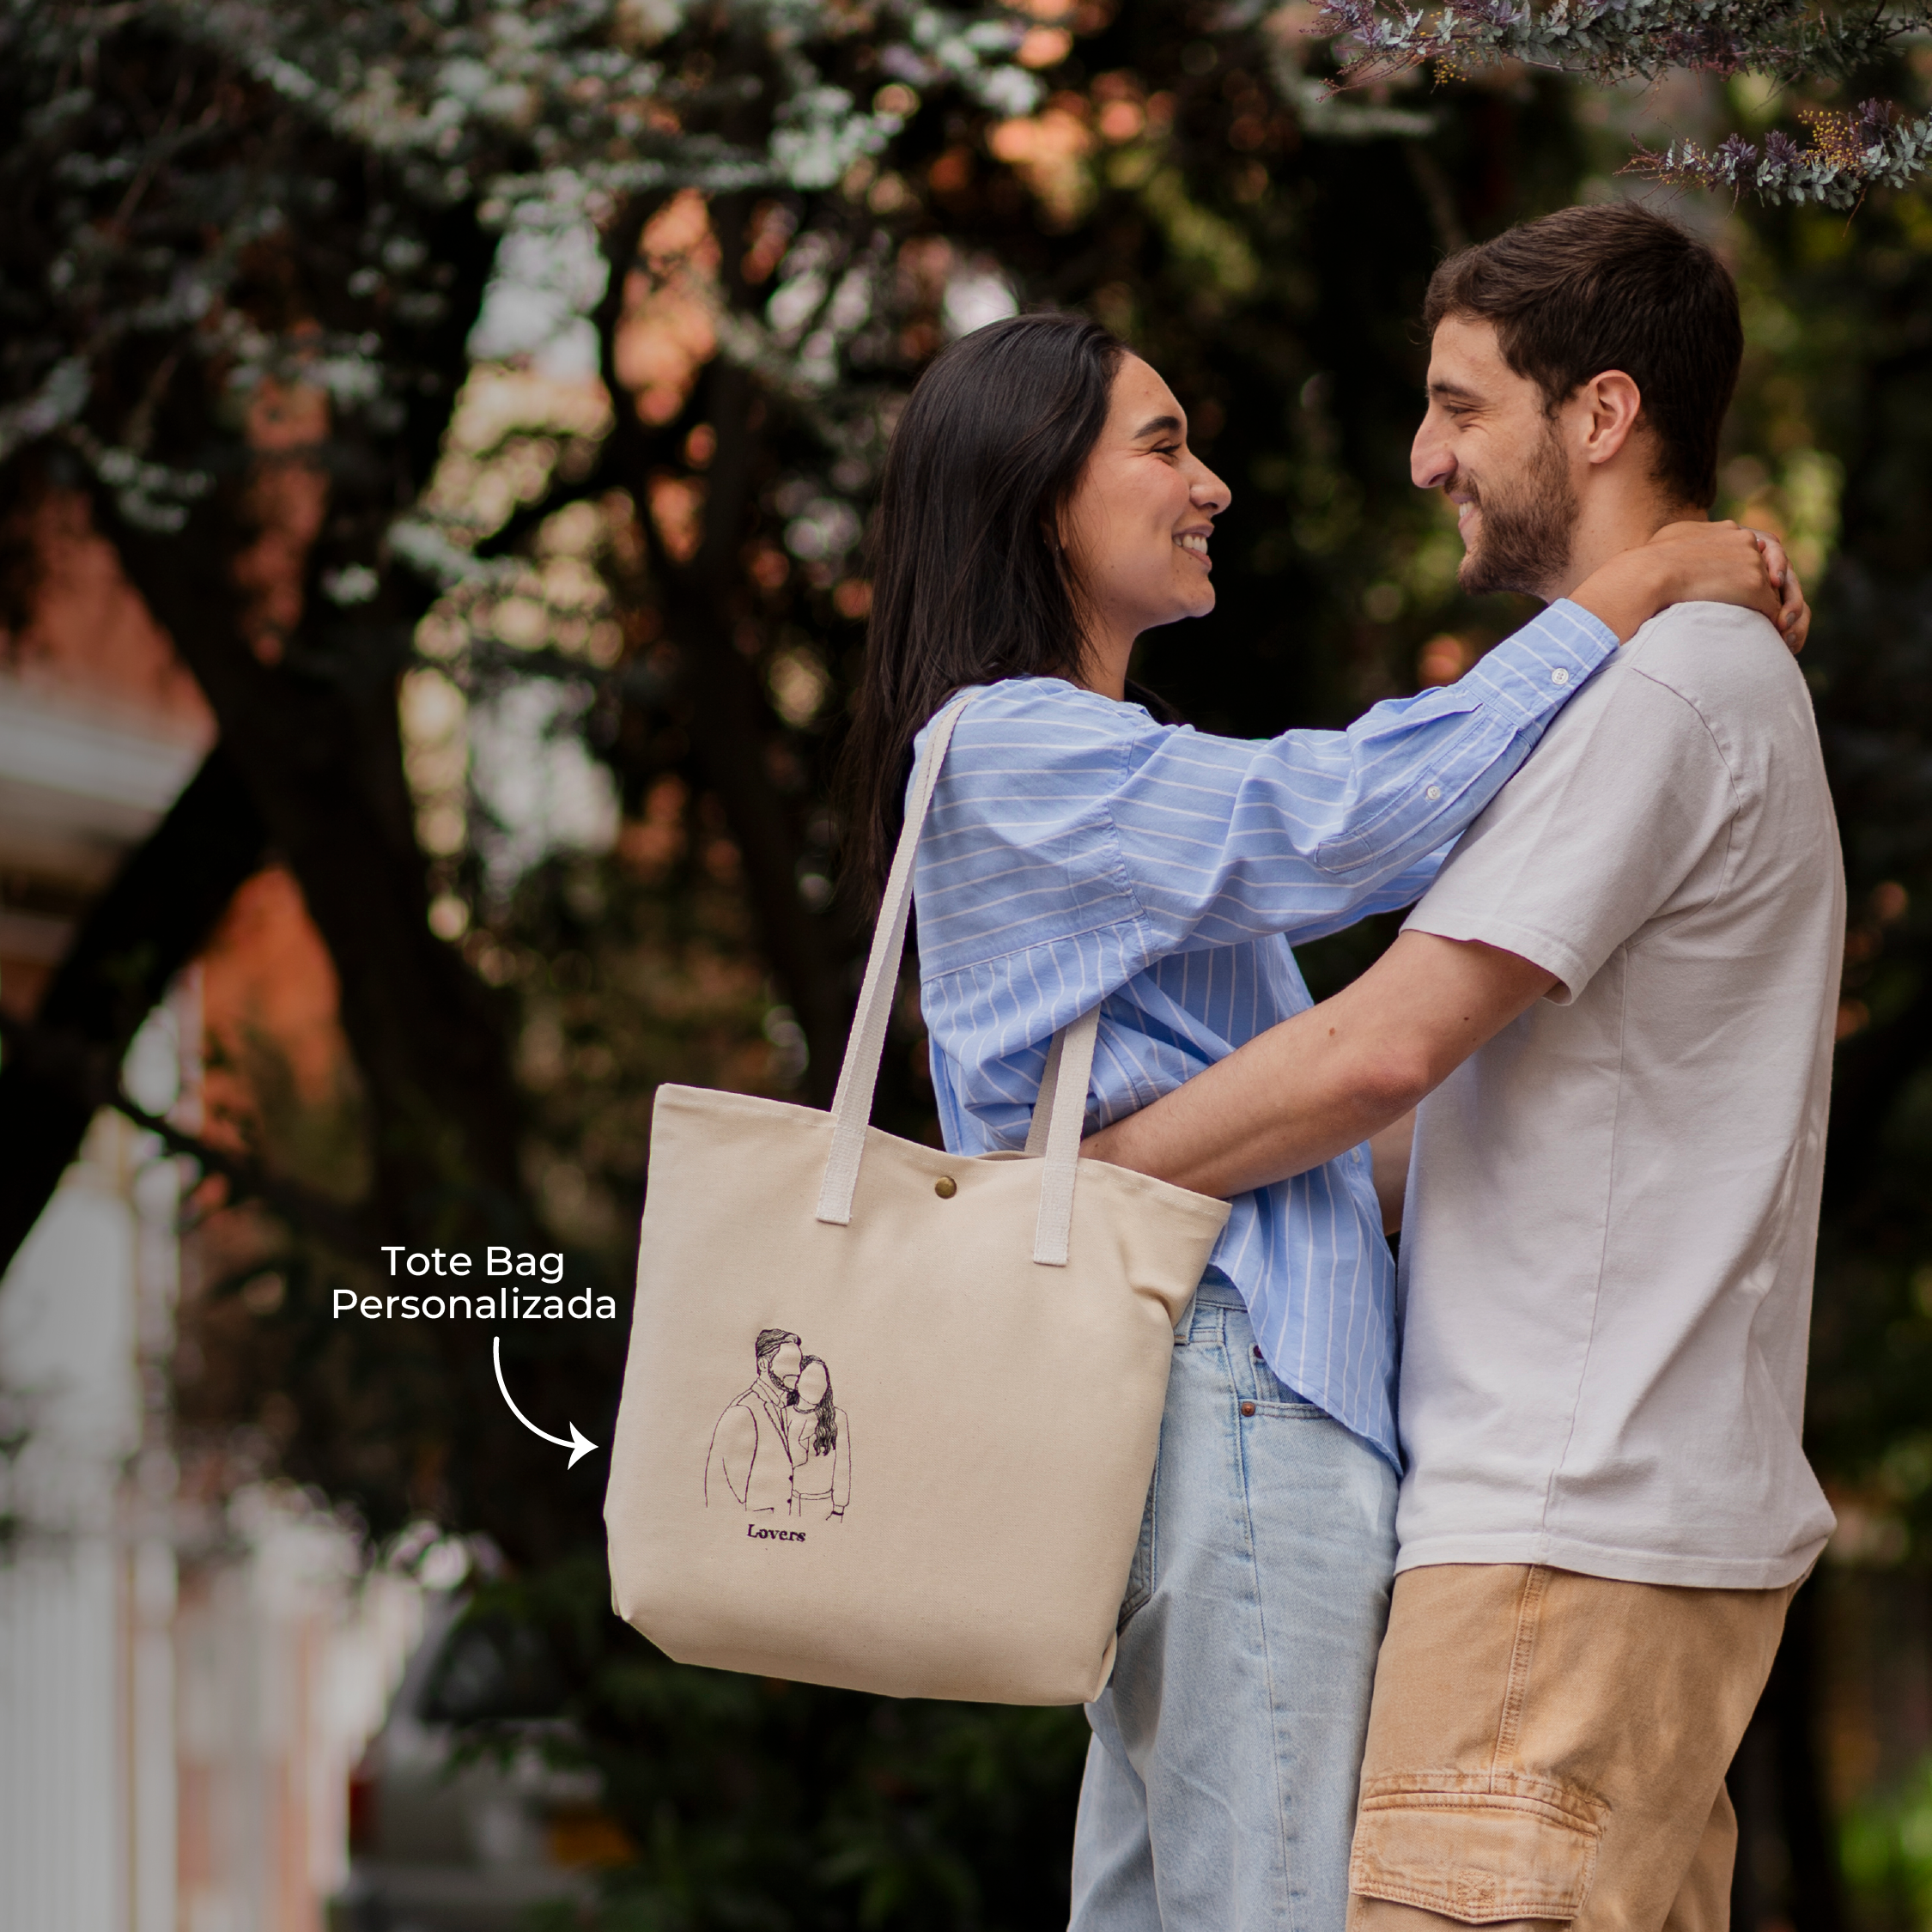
point(957, 1517)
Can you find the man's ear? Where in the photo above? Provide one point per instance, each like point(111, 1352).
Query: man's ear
point(1611, 405)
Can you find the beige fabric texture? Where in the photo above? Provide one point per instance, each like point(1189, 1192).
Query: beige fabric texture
point(1608, 1247)
point(1546, 1747)
point(991, 1418)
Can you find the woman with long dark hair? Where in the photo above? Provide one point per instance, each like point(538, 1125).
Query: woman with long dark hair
point(821, 1446)
point(1041, 510)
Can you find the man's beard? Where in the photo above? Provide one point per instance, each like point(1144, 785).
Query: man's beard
point(1524, 542)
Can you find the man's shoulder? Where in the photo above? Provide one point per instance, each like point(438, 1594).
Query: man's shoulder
point(1726, 663)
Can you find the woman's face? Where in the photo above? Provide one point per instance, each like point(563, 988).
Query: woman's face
point(812, 1384)
point(1137, 527)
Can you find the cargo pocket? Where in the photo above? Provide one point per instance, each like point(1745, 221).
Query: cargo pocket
point(1480, 1847)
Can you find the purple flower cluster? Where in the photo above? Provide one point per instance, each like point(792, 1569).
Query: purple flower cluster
point(1848, 153)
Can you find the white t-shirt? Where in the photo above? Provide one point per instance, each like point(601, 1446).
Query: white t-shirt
point(1608, 1247)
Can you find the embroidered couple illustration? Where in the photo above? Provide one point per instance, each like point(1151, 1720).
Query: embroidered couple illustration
point(783, 1448)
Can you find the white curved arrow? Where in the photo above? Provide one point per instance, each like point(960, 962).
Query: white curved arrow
point(579, 1444)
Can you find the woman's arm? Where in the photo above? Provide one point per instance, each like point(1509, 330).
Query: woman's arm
point(1063, 813)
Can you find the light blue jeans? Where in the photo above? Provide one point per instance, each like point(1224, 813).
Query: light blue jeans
point(1220, 1786)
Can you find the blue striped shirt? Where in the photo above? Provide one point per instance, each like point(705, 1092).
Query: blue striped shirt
point(1076, 853)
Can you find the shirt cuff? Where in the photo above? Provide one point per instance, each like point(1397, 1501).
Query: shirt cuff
point(1534, 673)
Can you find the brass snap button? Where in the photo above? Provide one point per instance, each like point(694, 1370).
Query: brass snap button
point(1248, 1408)
point(945, 1187)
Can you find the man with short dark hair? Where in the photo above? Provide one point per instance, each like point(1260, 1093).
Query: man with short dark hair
point(1619, 1000)
point(750, 1457)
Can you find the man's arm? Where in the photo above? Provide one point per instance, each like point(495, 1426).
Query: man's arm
point(1328, 1079)
point(734, 1448)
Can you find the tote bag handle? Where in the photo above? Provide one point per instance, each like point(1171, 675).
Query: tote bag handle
point(1061, 1112)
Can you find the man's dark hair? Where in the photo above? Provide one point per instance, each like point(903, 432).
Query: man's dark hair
point(1590, 289)
point(769, 1342)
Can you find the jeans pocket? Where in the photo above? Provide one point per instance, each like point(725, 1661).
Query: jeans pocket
point(1480, 1848)
point(1255, 1382)
point(1141, 1573)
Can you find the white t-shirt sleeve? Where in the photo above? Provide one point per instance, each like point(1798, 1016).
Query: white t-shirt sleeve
point(1623, 808)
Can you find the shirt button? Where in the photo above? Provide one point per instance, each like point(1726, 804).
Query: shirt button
point(1434, 792)
point(1559, 675)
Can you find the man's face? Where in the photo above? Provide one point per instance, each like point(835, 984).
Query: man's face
point(1493, 449)
point(783, 1367)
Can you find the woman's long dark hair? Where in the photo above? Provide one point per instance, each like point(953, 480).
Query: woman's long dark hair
point(969, 582)
point(825, 1429)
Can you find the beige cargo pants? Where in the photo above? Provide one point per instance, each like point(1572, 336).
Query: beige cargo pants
point(1549, 1746)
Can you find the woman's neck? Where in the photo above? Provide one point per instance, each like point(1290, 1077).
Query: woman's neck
point(1103, 667)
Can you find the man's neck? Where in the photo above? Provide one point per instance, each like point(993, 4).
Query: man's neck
point(1610, 525)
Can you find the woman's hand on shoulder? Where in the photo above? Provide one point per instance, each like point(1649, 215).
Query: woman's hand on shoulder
point(1711, 567)
point(1698, 562)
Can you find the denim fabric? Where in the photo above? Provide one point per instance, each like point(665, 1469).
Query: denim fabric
point(1220, 1784)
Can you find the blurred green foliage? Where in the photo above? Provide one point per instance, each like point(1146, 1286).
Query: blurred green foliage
point(1887, 1848)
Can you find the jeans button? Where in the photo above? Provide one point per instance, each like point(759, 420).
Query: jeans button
point(1248, 1408)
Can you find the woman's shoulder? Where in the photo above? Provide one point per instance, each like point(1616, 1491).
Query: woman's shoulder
point(1046, 723)
point(1059, 698)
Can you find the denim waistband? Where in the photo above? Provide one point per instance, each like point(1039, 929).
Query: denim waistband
point(1215, 1300)
point(1218, 1313)
point(1216, 1291)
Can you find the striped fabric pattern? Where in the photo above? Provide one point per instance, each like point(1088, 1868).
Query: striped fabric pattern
point(1077, 853)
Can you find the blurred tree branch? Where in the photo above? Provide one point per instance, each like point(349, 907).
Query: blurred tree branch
point(723, 708)
point(65, 1068)
point(150, 923)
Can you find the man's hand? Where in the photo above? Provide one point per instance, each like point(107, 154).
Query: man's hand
point(1328, 1079)
point(1697, 563)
